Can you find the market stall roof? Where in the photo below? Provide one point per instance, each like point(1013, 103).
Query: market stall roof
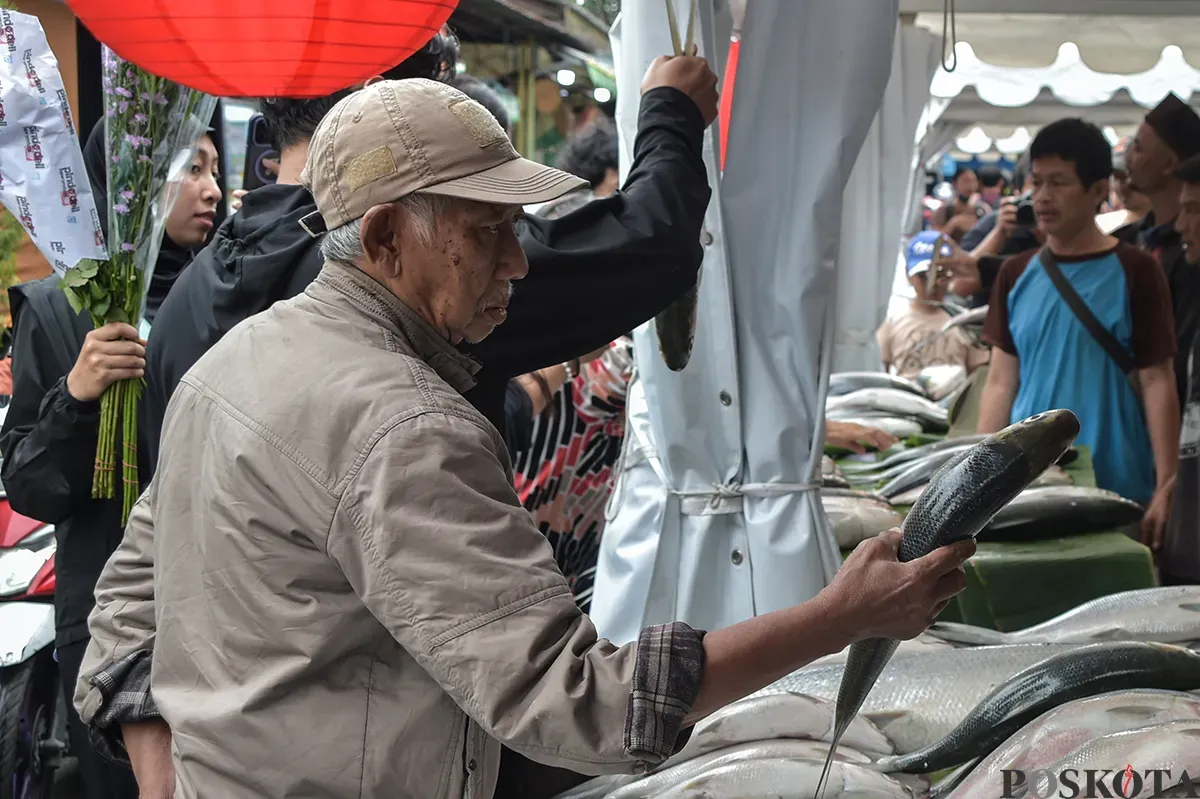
point(505, 21)
point(1118, 36)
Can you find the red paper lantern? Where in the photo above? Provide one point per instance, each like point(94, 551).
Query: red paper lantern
point(264, 48)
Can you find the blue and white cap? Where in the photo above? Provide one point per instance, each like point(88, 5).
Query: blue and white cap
point(919, 254)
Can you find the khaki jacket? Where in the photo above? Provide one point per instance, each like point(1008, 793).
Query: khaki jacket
point(348, 598)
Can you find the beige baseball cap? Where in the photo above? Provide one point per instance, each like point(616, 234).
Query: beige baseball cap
point(398, 137)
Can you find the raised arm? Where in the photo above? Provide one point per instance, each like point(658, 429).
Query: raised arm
point(599, 272)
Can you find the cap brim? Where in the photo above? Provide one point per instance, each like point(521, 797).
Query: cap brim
point(918, 268)
point(516, 182)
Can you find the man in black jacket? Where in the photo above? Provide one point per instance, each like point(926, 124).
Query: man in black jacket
point(593, 275)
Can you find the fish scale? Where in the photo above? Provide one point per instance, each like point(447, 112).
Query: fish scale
point(1169, 615)
point(921, 697)
point(1083, 672)
point(961, 498)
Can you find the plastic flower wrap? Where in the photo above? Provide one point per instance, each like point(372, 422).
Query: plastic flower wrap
point(151, 128)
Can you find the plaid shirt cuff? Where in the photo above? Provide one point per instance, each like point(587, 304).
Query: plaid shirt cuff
point(125, 688)
point(666, 681)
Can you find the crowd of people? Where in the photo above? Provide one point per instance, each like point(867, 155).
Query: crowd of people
point(382, 412)
point(1090, 273)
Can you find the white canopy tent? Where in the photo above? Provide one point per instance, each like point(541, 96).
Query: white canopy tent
point(713, 519)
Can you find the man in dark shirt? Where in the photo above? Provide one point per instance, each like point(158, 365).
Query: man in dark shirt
point(1179, 556)
point(1169, 135)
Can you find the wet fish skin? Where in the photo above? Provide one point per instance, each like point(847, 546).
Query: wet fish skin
point(786, 779)
point(892, 472)
point(913, 454)
point(1054, 476)
point(598, 787)
point(778, 716)
point(668, 776)
point(1169, 615)
point(841, 383)
point(1174, 746)
point(676, 329)
point(918, 473)
point(891, 402)
point(857, 518)
point(1058, 732)
point(961, 498)
point(922, 696)
point(1087, 671)
point(920, 644)
point(1059, 511)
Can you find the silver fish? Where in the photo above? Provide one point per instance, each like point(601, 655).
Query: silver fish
point(675, 326)
point(1084, 672)
point(787, 779)
point(1173, 747)
point(1058, 511)
point(857, 516)
point(1169, 615)
point(921, 697)
point(847, 382)
point(831, 475)
point(918, 473)
point(922, 643)
point(669, 776)
point(1054, 476)
point(892, 472)
point(892, 402)
point(900, 428)
point(598, 787)
point(975, 316)
point(778, 715)
point(941, 381)
point(913, 454)
point(961, 498)
point(1058, 732)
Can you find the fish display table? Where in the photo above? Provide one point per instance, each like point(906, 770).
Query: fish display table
point(1011, 585)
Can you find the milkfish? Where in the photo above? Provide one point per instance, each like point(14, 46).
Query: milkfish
point(922, 696)
point(1059, 511)
point(1084, 672)
point(831, 475)
point(893, 472)
point(672, 774)
point(891, 402)
point(780, 778)
point(941, 381)
point(922, 643)
point(918, 473)
point(857, 515)
point(847, 382)
point(676, 329)
point(913, 454)
point(961, 498)
point(1169, 615)
point(778, 715)
point(1173, 747)
point(975, 316)
point(1058, 732)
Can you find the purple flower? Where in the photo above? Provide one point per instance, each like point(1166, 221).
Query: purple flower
point(127, 195)
point(120, 208)
point(122, 106)
point(127, 247)
point(116, 159)
point(140, 118)
point(145, 159)
point(121, 90)
point(160, 98)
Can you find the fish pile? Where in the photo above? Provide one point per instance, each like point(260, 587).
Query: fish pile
point(1098, 687)
point(867, 404)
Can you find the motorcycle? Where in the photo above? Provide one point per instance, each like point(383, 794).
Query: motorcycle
point(33, 711)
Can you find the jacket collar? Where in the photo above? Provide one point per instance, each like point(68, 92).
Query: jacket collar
point(373, 299)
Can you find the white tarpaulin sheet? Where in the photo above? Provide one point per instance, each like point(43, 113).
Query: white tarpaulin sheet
point(882, 185)
point(714, 520)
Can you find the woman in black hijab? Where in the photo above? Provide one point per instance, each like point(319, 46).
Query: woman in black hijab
point(191, 222)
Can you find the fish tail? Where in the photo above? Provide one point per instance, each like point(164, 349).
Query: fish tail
point(968, 635)
point(838, 732)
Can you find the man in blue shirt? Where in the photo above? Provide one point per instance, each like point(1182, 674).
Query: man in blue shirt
point(1043, 357)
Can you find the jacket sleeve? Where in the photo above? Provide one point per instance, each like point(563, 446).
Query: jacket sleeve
point(599, 272)
point(48, 438)
point(114, 679)
point(500, 632)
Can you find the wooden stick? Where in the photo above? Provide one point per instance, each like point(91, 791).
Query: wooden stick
point(674, 27)
point(691, 29)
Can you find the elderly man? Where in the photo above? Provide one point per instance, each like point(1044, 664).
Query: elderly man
point(350, 600)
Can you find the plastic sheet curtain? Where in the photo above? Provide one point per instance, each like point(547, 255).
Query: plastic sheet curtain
point(714, 518)
point(877, 196)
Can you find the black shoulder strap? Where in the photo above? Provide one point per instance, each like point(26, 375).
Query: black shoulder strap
point(1097, 331)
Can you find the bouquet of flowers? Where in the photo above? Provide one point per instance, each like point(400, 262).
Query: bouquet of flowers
point(151, 127)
